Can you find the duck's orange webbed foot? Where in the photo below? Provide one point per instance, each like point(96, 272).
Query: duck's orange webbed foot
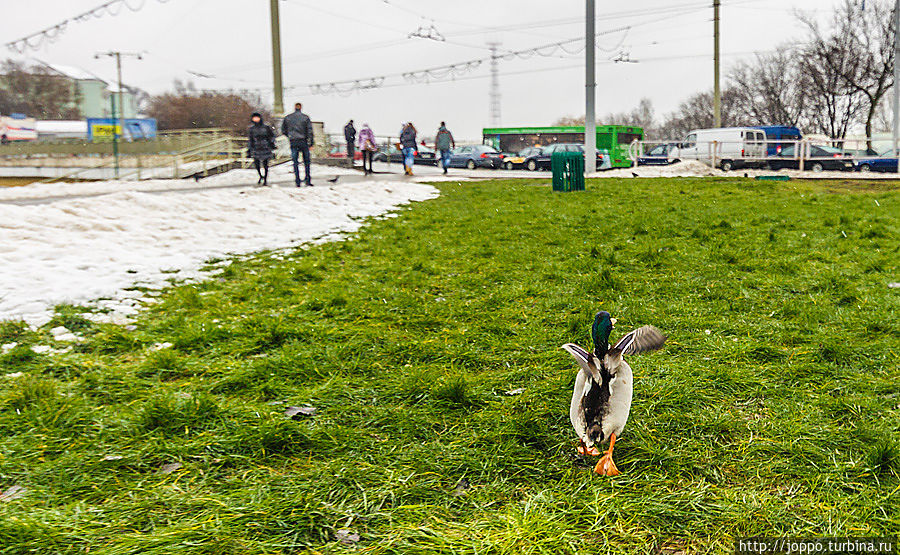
point(585, 450)
point(606, 466)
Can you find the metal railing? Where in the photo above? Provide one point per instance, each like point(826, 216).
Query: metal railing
point(810, 153)
point(198, 160)
point(166, 142)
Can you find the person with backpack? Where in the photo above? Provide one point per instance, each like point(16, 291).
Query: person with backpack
point(260, 146)
point(443, 142)
point(368, 146)
point(408, 147)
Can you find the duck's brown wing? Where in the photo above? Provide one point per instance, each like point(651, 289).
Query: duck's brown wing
point(585, 360)
point(646, 338)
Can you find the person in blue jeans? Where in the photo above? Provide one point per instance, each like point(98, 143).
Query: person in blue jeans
point(299, 130)
point(443, 142)
point(409, 147)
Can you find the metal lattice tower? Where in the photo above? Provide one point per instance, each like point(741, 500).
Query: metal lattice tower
point(495, 84)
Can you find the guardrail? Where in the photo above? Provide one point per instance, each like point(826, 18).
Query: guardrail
point(198, 160)
point(166, 142)
point(816, 154)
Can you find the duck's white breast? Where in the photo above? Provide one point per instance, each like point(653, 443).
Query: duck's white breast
point(620, 393)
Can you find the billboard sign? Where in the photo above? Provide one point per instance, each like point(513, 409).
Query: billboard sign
point(102, 129)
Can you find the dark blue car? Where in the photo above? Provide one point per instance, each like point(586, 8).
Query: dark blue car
point(886, 162)
point(660, 155)
point(779, 137)
point(476, 156)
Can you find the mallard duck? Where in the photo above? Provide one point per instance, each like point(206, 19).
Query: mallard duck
point(603, 388)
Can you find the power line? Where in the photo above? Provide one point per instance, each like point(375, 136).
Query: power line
point(36, 40)
point(581, 66)
point(216, 72)
point(458, 69)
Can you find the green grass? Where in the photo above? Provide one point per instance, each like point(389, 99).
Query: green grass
point(773, 410)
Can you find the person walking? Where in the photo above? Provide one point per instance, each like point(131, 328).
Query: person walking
point(443, 142)
point(367, 145)
point(260, 146)
point(299, 130)
point(350, 136)
point(408, 146)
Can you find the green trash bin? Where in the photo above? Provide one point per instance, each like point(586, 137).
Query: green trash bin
point(568, 171)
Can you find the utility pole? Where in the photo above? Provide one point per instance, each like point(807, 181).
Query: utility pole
point(278, 104)
point(590, 85)
point(495, 84)
point(717, 91)
point(121, 121)
point(896, 134)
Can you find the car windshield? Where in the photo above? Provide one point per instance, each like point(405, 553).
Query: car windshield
point(658, 151)
point(787, 151)
point(830, 149)
point(530, 151)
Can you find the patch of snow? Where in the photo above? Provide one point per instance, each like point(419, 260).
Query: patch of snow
point(100, 247)
point(235, 178)
point(61, 333)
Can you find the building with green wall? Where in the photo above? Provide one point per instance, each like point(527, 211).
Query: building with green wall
point(93, 95)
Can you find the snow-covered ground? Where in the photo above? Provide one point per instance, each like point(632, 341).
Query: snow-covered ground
point(282, 173)
point(91, 249)
point(91, 242)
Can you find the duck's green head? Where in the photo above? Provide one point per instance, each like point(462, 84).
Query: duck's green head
point(600, 331)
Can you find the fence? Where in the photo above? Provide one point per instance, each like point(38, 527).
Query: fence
point(212, 156)
point(166, 142)
point(813, 153)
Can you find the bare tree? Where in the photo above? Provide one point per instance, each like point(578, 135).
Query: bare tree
point(772, 88)
point(37, 92)
point(187, 108)
point(850, 65)
point(642, 116)
point(697, 113)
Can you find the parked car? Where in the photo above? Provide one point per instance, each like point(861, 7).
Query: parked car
point(475, 156)
point(886, 162)
point(340, 151)
point(423, 156)
point(541, 160)
point(517, 160)
point(735, 147)
point(660, 155)
point(820, 158)
point(779, 136)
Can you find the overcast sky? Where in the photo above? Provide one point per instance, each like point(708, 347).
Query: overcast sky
point(334, 40)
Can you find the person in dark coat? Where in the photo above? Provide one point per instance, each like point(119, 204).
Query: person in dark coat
point(260, 146)
point(299, 130)
point(350, 135)
point(443, 142)
point(408, 147)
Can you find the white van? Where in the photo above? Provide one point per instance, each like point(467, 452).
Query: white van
point(727, 147)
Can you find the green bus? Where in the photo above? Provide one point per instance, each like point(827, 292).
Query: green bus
point(616, 139)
